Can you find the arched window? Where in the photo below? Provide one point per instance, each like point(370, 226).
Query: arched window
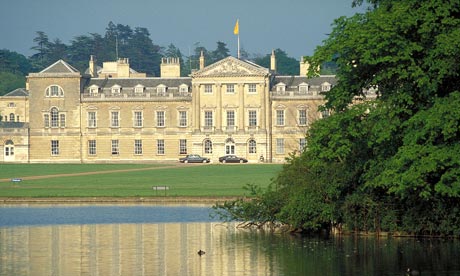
point(54, 118)
point(207, 146)
point(54, 91)
point(252, 146)
point(11, 117)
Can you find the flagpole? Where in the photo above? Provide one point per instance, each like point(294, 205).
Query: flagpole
point(238, 45)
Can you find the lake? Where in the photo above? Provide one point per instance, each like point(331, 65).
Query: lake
point(164, 240)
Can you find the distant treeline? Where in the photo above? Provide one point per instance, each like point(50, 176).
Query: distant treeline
point(119, 41)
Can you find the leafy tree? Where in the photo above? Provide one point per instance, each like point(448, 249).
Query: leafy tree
point(389, 164)
point(13, 68)
point(284, 65)
point(219, 53)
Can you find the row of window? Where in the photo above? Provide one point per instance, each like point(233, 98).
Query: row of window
point(11, 118)
point(58, 119)
point(160, 144)
point(303, 87)
point(138, 89)
point(230, 88)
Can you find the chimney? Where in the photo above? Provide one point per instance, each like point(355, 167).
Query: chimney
point(273, 61)
point(170, 67)
point(92, 66)
point(201, 60)
point(304, 65)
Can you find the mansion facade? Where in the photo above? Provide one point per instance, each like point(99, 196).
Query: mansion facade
point(111, 113)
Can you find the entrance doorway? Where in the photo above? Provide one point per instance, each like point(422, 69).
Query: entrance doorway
point(8, 151)
point(229, 146)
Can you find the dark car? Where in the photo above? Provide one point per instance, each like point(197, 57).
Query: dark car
point(232, 159)
point(194, 158)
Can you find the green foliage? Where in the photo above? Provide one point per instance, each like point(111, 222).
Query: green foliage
point(10, 81)
point(285, 65)
point(390, 164)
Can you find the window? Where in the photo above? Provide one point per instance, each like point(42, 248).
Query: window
point(115, 147)
point(62, 120)
point(160, 118)
point(161, 146)
point(91, 147)
point(207, 146)
point(183, 89)
point(114, 119)
point(137, 147)
point(252, 146)
point(54, 147)
point(281, 87)
point(252, 118)
point(302, 117)
point(302, 144)
point(182, 146)
point(138, 89)
point(208, 88)
point(54, 114)
point(54, 91)
point(325, 87)
point(230, 118)
point(208, 119)
point(252, 88)
point(137, 119)
point(230, 88)
point(303, 89)
point(161, 90)
point(325, 113)
point(229, 146)
point(46, 120)
point(279, 145)
point(11, 117)
point(11, 105)
point(92, 119)
point(116, 90)
point(280, 117)
point(93, 91)
point(182, 118)
point(9, 148)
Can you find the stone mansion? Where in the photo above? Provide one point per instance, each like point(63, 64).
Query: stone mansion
point(111, 113)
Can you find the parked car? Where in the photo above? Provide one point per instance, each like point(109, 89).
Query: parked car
point(194, 158)
point(232, 159)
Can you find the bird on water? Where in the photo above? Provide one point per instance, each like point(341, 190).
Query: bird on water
point(201, 252)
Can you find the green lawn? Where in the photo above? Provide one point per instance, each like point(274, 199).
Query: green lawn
point(183, 180)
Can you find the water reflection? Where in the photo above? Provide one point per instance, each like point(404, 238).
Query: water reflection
point(159, 248)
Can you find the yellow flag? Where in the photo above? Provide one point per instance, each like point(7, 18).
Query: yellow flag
point(236, 30)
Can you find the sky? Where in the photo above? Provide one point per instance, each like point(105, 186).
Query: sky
point(295, 26)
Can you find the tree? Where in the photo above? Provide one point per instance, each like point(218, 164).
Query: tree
point(219, 53)
point(284, 65)
point(389, 164)
point(173, 51)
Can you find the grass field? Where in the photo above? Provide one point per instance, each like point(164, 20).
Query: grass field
point(132, 180)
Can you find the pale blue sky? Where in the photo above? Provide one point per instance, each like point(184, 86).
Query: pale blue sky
point(295, 26)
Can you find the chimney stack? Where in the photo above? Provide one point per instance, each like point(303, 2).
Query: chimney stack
point(273, 61)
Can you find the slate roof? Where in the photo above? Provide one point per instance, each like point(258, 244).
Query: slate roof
point(60, 66)
point(20, 92)
point(290, 81)
point(13, 125)
point(132, 82)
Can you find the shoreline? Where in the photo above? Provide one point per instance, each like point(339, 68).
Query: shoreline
point(153, 200)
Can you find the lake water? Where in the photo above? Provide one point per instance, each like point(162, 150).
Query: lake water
point(164, 240)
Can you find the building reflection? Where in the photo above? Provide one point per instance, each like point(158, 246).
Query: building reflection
point(130, 249)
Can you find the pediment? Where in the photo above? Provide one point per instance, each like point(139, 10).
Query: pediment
point(231, 67)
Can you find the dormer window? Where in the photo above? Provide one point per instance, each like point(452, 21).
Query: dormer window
point(183, 89)
point(303, 88)
point(116, 90)
point(325, 86)
point(280, 87)
point(139, 89)
point(161, 90)
point(93, 90)
point(54, 91)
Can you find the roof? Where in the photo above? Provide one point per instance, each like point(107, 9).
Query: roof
point(60, 66)
point(296, 80)
point(20, 92)
point(13, 125)
point(132, 82)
